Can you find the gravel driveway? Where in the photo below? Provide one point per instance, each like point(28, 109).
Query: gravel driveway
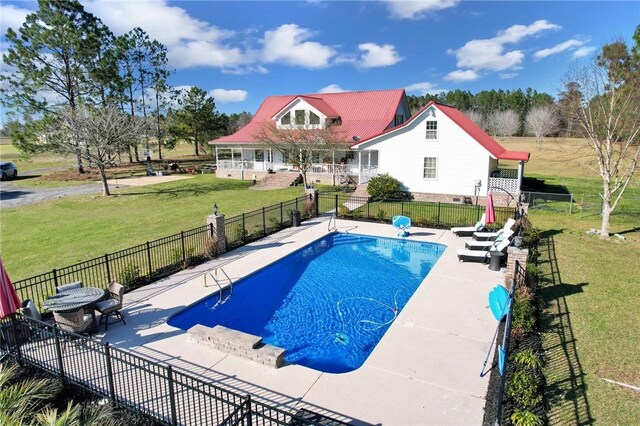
point(12, 195)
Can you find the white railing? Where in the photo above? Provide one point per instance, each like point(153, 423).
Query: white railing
point(367, 173)
point(235, 164)
point(506, 173)
point(504, 185)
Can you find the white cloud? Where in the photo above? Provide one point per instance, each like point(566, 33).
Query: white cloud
point(423, 88)
point(558, 48)
point(401, 9)
point(378, 56)
point(583, 51)
point(224, 96)
point(12, 17)
point(289, 44)
point(332, 88)
point(508, 75)
point(460, 76)
point(489, 54)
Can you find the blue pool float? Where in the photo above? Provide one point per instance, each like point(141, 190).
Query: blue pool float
point(403, 223)
point(499, 302)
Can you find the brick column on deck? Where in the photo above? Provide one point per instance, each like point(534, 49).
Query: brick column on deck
point(513, 254)
point(216, 222)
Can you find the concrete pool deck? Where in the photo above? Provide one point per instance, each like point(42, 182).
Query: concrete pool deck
point(425, 369)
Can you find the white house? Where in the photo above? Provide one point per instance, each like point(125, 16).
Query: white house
point(437, 154)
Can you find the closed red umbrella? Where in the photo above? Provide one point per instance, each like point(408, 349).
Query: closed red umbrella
point(9, 300)
point(490, 214)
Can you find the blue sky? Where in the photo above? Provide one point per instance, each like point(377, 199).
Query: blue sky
point(242, 52)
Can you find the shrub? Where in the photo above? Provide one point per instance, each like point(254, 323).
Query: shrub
point(209, 247)
point(381, 215)
point(530, 237)
point(274, 222)
point(309, 209)
point(129, 275)
point(385, 187)
point(525, 418)
point(239, 233)
point(523, 313)
point(175, 255)
point(523, 388)
point(527, 359)
point(342, 211)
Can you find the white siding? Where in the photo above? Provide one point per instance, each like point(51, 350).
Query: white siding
point(461, 160)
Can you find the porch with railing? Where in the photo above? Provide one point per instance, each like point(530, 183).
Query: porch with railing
point(505, 180)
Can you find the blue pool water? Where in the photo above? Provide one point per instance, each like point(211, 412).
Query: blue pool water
point(327, 304)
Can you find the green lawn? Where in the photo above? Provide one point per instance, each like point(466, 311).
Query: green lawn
point(40, 237)
point(590, 291)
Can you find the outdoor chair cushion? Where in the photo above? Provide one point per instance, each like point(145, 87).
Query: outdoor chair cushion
point(29, 309)
point(70, 286)
point(486, 245)
point(465, 231)
point(484, 236)
point(108, 306)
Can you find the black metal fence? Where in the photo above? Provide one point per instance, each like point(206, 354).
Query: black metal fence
point(158, 390)
point(137, 266)
point(519, 279)
point(257, 224)
point(422, 213)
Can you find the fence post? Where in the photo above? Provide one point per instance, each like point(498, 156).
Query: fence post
point(296, 203)
point(172, 396)
point(336, 210)
point(107, 354)
point(368, 210)
point(106, 262)
point(55, 278)
point(401, 208)
point(56, 338)
point(149, 259)
point(218, 232)
point(571, 203)
point(248, 402)
point(184, 254)
point(281, 215)
point(264, 223)
point(438, 220)
point(244, 229)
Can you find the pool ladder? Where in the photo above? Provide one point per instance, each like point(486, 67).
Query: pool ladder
point(214, 277)
point(335, 225)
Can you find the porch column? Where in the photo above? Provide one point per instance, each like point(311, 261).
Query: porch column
point(369, 160)
point(216, 147)
point(359, 167)
point(520, 175)
point(241, 158)
point(233, 165)
point(333, 166)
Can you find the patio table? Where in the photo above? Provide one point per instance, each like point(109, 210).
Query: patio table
point(75, 299)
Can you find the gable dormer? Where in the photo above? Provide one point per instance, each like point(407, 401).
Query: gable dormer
point(306, 111)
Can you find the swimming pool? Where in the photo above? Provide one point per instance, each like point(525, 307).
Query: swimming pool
point(327, 304)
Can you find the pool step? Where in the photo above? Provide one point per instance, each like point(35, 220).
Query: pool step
point(234, 342)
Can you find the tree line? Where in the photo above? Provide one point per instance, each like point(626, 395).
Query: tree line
point(73, 87)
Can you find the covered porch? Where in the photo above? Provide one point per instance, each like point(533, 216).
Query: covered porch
point(506, 179)
point(346, 164)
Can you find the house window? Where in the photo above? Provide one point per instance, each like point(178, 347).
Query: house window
point(398, 120)
point(313, 118)
point(286, 119)
point(430, 168)
point(259, 155)
point(299, 117)
point(315, 157)
point(432, 129)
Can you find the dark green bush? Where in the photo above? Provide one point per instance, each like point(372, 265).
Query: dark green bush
point(385, 187)
point(525, 418)
point(523, 387)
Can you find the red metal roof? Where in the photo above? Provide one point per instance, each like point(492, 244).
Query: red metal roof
point(479, 135)
point(363, 114)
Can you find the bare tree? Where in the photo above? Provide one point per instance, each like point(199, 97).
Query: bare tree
point(542, 121)
point(505, 123)
point(476, 116)
point(609, 116)
point(299, 143)
point(102, 131)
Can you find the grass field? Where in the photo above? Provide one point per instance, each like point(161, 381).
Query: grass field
point(590, 290)
point(40, 237)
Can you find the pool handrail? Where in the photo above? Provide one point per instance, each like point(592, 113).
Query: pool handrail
point(220, 288)
point(335, 224)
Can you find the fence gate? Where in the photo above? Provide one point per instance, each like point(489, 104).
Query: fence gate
point(548, 201)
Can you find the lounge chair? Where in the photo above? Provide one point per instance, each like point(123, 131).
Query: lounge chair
point(112, 305)
point(486, 245)
point(490, 236)
point(466, 231)
point(482, 256)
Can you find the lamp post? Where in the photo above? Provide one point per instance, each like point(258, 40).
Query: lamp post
point(215, 209)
